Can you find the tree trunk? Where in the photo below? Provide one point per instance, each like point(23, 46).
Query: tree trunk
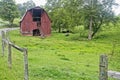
point(90, 29)
point(59, 29)
point(93, 34)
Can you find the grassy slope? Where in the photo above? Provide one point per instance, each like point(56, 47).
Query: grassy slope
point(62, 58)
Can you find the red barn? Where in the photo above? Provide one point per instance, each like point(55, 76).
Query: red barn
point(35, 22)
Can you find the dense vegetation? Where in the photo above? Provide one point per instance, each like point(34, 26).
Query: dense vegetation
point(8, 11)
point(25, 6)
point(93, 14)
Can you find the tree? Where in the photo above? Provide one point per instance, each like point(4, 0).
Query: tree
point(25, 6)
point(55, 10)
point(9, 11)
point(96, 13)
point(64, 13)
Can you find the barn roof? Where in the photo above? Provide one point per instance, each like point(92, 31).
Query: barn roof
point(31, 10)
point(37, 7)
point(23, 16)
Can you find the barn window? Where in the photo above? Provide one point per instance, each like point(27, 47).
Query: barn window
point(37, 15)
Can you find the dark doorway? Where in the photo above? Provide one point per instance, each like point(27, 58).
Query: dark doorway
point(36, 32)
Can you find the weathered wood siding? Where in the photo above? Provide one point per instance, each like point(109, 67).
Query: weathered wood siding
point(45, 24)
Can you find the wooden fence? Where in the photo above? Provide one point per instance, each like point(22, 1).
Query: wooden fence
point(103, 66)
point(104, 72)
point(6, 41)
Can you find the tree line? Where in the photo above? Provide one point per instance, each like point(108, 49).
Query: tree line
point(66, 14)
point(92, 14)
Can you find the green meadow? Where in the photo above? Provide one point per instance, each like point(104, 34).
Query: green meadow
point(60, 57)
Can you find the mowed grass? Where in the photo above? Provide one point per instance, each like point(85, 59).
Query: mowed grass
point(61, 57)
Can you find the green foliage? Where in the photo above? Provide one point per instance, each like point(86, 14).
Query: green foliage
point(25, 6)
point(2, 23)
point(64, 14)
point(16, 22)
point(5, 24)
point(97, 13)
point(9, 11)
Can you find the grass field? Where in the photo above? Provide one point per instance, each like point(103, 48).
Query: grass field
point(61, 57)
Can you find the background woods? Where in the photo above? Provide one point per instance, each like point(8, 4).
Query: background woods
point(92, 14)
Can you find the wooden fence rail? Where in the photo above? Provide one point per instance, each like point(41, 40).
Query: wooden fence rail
point(5, 40)
point(3, 43)
point(114, 74)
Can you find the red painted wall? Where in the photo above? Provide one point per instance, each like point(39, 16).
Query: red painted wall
point(45, 24)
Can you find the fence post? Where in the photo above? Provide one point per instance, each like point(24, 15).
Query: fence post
point(7, 35)
point(25, 65)
point(103, 66)
point(9, 55)
point(3, 43)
